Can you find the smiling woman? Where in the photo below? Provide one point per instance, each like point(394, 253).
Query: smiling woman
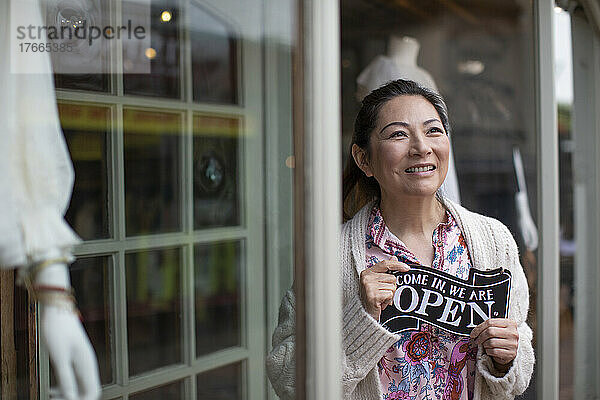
point(400, 152)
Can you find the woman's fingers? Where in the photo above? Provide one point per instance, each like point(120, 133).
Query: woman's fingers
point(501, 356)
point(495, 328)
point(390, 265)
point(378, 285)
point(382, 299)
point(500, 343)
point(499, 338)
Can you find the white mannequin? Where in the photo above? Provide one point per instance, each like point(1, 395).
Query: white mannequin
point(404, 51)
point(401, 63)
point(36, 178)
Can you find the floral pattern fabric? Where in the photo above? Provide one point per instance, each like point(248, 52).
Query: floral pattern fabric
point(429, 363)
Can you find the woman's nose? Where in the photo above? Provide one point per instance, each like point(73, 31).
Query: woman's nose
point(419, 146)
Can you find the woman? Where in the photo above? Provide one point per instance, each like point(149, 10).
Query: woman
point(399, 160)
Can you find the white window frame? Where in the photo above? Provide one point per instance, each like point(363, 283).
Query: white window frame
point(586, 168)
point(322, 200)
point(548, 282)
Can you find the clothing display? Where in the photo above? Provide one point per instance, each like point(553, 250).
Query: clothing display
point(36, 177)
point(365, 341)
point(401, 63)
point(36, 174)
point(429, 361)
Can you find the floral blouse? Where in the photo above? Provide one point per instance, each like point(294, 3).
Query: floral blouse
point(429, 363)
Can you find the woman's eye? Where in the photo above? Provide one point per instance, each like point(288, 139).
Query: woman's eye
point(397, 134)
point(435, 130)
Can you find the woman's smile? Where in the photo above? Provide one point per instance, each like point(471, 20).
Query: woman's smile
point(421, 169)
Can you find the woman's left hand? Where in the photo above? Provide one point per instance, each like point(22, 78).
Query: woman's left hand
point(500, 340)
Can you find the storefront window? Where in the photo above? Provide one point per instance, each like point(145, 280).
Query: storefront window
point(183, 195)
point(479, 57)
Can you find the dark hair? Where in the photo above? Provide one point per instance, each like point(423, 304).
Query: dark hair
point(358, 189)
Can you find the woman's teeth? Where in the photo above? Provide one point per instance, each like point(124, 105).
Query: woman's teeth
point(421, 169)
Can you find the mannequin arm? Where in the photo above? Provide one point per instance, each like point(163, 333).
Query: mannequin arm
point(70, 351)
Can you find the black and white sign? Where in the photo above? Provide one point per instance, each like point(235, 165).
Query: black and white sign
point(440, 299)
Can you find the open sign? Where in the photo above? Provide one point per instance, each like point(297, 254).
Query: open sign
point(440, 299)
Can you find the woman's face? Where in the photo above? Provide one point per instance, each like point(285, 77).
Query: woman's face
point(409, 148)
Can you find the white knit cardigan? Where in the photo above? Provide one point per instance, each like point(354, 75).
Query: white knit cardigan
point(365, 341)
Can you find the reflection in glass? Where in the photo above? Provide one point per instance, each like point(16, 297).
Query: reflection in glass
point(166, 392)
point(223, 383)
point(216, 169)
point(153, 309)
point(93, 59)
point(152, 171)
point(86, 132)
point(90, 279)
point(218, 296)
point(164, 77)
point(87, 82)
point(214, 58)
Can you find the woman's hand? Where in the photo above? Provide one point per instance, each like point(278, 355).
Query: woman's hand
point(377, 286)
point(500, 340)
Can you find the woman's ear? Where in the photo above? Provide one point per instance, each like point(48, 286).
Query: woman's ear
point(361, 159)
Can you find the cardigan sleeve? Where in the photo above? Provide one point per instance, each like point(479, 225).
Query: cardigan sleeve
point(364, 339)
point(516, 380)
point(364, 342)
point(281, 361)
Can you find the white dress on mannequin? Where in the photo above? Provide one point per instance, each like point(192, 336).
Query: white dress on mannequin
point(36, 179)
point(401, 63)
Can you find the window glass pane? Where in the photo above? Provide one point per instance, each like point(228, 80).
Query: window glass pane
point(214, 57)
point(218, 296)
point(90, 279)
point(216, 171)
point(152, 171)
point(223, 383)
point(87, 82)
point(86, 130)
point(170, 391)
point(82, 57)
point(153, 309)
point(164, 79)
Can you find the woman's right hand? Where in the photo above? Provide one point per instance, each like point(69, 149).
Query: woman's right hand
point(377, 285)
